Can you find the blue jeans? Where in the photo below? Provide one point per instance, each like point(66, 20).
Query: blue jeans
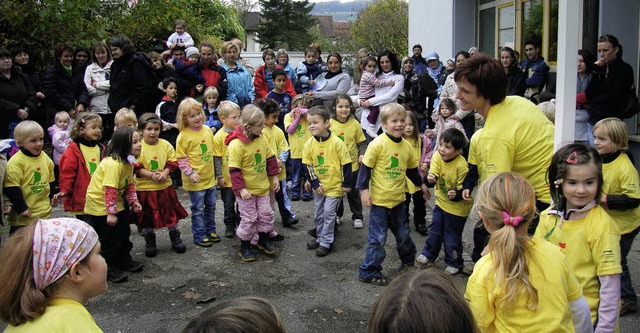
point(382, 219)
point(203, 210)
point(626, 287)
point(448, 228)
point(297, 179)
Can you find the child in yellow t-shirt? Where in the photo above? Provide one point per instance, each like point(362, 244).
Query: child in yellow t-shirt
point(229, 114)
point(521, 284)
point(584, 231)
point(348, 129)
point(194, 152)
point(297, 127)
point(125, 117)
point(621, 196)
point(422, 147)
point(254, 172)
point(447, 172)
point(381, 179)
point(27, 178)
point(327, 165)
point(104, 207)
point(278, 142)
point(160, 204)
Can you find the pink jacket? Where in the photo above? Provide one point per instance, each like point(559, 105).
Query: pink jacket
point(60, 140)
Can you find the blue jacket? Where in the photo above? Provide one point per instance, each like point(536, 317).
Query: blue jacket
point(240, 85)
point(189, 76)
point(419, 65)
point(540, 72)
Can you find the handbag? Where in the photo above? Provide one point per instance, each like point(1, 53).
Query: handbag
point(631, 105)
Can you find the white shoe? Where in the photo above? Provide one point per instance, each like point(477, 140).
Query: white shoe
point(357, 224)
point(423, 260)
point(338, 222)
point(452, 270)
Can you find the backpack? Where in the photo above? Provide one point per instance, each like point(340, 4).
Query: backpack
point(631, 105)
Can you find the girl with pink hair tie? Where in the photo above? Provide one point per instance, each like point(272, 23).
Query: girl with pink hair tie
point(50, 269)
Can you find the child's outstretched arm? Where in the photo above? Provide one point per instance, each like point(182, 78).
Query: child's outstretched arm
point(619, 202)
point(414, 176)
point(17, 200)
point(470, 181)
point(132, 198)
point(237, 183)
point(609, 301)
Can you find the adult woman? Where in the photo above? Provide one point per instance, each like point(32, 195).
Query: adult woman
point(132, 80)
point(240, 86)
point(282, 57)
point(58, 85)
point(337, 81)
point(17, 96)
point(213, 73)
point(515, 76)
point(450, 89)
point(263, 81)
point(610, 84)
point(585, 70)
point(416, 90)
point(96, 80)
point(20, 58)
point(388, 69)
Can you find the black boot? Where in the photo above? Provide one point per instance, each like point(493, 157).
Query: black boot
point(176, 243)
point(265, 245)
point(150, 240)
point(115, 275)
point(246, 253)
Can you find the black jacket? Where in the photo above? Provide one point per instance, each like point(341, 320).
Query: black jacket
point(15, 93)
point(515, 82)
point(133, 84)
point(59, 88)
point(608, 89)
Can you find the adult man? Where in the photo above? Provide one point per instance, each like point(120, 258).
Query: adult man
point(535, 69)
point(516, 135)
point(419, 63)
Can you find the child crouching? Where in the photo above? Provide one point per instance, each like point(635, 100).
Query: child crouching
point(254, 170)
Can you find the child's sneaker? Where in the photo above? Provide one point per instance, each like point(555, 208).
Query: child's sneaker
point(424, 261)
point(357, 224)
point(322, 251)
point(452, 270)
point(468, 269)
point(214, 237)
point(206, 242)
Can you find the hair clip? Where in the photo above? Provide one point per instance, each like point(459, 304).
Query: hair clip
point(573, 158)
point(558, 182)
point(510, 220)
point(81, 120)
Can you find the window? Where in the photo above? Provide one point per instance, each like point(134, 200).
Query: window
point(488, 30)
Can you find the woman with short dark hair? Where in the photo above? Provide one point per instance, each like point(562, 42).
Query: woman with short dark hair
point(17, 96)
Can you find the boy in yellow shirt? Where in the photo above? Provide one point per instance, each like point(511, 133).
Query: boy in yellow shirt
point(229, 114)
point(27, 177)
point(327, 165)
point(381, 181)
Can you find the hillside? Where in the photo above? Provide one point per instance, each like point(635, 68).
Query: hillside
point(341, 11)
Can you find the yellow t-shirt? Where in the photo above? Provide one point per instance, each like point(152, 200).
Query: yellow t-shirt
point(389, 162)
point(351, 133)
point(112, 173)
point(550, 274)
point(198, 148)
point(591, 245)
point(32, 175)
point(155, 158)
point(61, 316)
point(475, 156)
point(327, 159)
point(91, 157)
point(450, 177)
point(298, 138)
point(417, 149)
point(278, 143)
point(220, 150)
point(621, 177)
point(251, 159)
point(518, 137)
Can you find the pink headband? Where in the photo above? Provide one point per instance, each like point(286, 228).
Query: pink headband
point(57, 245)
point(509, 220)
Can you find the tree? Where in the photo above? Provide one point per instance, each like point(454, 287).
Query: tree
point(285, 23)
point(383, 25)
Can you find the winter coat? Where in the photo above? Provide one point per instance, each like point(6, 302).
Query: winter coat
point(262, 79)
point(99, 102)
point(215, 76)
point(75, 177)
point(60, 139)
point(241, 90)
point(189, 77)
point(608, 90)
point(133, 84)
point(15, 93)
point(60, 91)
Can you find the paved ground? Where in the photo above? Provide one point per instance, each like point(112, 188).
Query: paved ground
point(314, 294)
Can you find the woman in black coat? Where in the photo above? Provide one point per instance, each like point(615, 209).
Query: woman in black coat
point(133, 82)
point(515, 76)
point(17, 96)
point(59, 88)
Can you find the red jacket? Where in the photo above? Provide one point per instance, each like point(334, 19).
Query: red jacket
point(74, 177)
point(262, 88)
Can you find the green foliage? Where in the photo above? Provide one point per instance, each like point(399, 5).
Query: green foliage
point(41, 24)
point(286, 24)
point(383, 25)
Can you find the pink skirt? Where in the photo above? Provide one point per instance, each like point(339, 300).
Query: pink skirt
point(160, 209)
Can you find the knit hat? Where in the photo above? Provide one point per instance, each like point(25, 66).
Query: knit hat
point(433, 55)
point(191, 51)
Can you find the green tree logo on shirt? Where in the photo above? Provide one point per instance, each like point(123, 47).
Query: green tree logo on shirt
point(37, 186)
point(203, 147)
point(299, 131)
point(341, 136)
point(154, 164)
point(260, 165)
point(258, 157)
point(92, 166)
point(394, 161)
point(37, 176)
point(442, 184)
point(321, 159)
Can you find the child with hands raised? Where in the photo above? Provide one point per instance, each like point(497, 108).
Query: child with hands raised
point(297, 126)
